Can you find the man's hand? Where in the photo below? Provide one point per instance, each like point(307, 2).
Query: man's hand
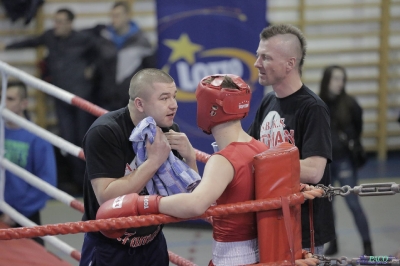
point(310, 192)
point(158, 152)
point(307, 259)
point(306, 262)
point(180, 142)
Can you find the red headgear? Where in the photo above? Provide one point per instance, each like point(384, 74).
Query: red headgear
point(217, 105)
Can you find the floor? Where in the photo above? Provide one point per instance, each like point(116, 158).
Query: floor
point(193, 241)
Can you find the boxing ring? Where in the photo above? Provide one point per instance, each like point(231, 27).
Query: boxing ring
point(16, 237)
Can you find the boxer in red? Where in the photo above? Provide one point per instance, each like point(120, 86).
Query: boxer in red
point(222, 101)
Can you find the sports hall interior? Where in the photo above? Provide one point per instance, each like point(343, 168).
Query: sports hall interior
point(362, 36)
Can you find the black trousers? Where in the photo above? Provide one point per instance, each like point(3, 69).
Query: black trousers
point(73, 124)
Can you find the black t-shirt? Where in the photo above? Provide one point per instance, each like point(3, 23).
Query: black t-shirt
point(109, 153)
point(302, 119)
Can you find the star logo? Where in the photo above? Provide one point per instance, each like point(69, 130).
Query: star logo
point(190, 60)
point(182, 48)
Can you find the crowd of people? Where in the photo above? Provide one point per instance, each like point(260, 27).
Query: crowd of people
point(114, 66)
point(95, 64)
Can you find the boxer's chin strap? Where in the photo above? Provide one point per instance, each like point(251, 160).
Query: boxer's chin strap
point(311, 218)
point(288, 225)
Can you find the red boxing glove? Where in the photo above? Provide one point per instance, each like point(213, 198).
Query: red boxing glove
point(124, 206)
point(148, 204)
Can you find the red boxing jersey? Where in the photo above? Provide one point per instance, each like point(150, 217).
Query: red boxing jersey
point(238, 227)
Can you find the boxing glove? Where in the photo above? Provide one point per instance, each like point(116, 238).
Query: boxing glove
point(124, 206)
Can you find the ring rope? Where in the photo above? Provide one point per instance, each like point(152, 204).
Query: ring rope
point(60, 142)
point(178, 260)
point(63, 197)
point(43, 133)
point(52, 90)
point(363, 260)
point(21, 219)
point(74, 150)
point(66, 97)
point(2, 134)
point(42, 185)
point(145, 220)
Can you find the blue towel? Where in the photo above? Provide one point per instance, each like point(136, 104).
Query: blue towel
point(174, 176)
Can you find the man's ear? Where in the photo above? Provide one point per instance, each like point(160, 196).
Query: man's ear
point(138, 103)
point(291, 63)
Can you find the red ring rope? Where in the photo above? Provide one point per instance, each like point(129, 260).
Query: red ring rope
point(144, 220)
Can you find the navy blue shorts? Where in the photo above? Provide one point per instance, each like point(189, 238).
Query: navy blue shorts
point(97, 251)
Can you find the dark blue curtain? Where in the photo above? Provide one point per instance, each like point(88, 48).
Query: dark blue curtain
point(199, 38)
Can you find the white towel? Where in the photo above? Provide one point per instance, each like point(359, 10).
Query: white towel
point(174, 176)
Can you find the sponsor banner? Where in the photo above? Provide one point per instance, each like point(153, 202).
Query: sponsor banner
point(200, 38)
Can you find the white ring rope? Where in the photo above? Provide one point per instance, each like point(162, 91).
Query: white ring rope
point(44, 134)
point(37, 182)
point(50, 137)
point(52, 90)
point(2, 133)
point(22, 220)
point(37, 83)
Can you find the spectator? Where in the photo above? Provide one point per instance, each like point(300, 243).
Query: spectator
point(346, 126)
point(29, 152)
point(124, 50)
point(70, 54)
point(295, 114)
point(110, 170)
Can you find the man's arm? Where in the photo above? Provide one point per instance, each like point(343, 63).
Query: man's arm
point(28, 43)
point(107, 188)
point(316, 144)
point(312, 169)
point(218, 173)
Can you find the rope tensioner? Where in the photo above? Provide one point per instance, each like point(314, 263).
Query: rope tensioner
point(373, 189)
point(145, 220)
point(363, 260)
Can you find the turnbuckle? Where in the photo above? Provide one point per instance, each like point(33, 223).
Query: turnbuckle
point(373, 189)
point(377, 189)
point(328, 261)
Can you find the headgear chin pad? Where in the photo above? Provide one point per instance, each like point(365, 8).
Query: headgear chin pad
point(217, 105)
